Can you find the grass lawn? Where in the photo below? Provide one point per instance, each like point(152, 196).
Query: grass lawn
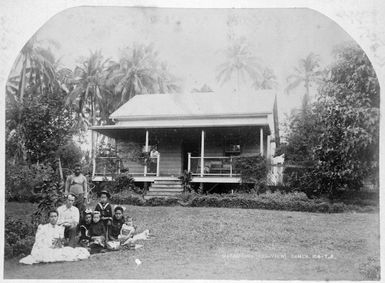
point(222, 243)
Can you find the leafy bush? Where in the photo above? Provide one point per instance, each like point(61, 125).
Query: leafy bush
point(186, 181)
point(50, 197)
point(187, 196)
point(125, 182)
point(38, 125)
point(127, 197)
point(253, 172)
point(339, 135)
point(21, 181)
point(251, 168)
point(69, 154)
point(161, 202)
point(19, 237)
point(296, 201)
point(122, 182)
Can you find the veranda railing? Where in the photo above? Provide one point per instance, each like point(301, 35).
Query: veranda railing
point(212, 166)
point(112, 166)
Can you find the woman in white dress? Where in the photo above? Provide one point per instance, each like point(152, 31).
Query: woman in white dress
point(48, 246)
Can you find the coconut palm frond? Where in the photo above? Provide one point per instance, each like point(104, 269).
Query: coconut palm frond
point(294, 84)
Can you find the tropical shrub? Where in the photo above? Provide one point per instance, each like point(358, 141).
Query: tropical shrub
point(69, 154)
point(296, 201)
point(22, 181)
point(127, 197)
point(348, 111)
point(122, 183)
point(337, 140)
point(125, 182)
point(186, 178)
point(50, 196)
point(38, 127)
point(19, 237)
point(253, 172)
point(161, 202)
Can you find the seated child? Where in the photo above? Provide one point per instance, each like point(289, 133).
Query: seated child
point(116, 224)
point(97, 233)
point(127, 231)
point(104, 208)
point(84, 227)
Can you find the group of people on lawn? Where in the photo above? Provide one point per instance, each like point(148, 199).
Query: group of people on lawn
point(74, 232)
point(96, 228)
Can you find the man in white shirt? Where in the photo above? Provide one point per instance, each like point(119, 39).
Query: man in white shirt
point(69, 218)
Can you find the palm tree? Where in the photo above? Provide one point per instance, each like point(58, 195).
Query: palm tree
point(167, 82)
point(267, 81)
point(239, 60)
point(307, 73)
point(33, 71)
point(37, 68)
point(89, 90)
point(135, 73)
point(139, 71)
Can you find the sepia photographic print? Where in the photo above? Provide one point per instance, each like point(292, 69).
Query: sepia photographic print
point(191, 141)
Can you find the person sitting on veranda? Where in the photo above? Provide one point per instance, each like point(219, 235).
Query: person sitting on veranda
point(76, 184)
point(48, 246)
point(154, 154)
point(69, 219)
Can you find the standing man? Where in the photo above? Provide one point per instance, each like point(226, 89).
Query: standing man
point(69, 219)
point(76, 184)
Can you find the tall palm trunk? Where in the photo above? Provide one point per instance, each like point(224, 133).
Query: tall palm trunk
point(276, 122)
point(306, 97)
point(23, 71)
point(20, 110)
point(92, 124)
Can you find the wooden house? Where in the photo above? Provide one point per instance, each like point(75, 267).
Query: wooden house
point(198, 132)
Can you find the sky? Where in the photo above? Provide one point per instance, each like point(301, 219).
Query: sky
point(192, 41)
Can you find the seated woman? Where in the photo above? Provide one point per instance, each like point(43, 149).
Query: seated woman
point(48, 246)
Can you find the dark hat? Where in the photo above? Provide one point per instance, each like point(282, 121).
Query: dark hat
point(104, 192)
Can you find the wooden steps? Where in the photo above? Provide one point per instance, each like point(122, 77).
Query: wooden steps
point(164, 187)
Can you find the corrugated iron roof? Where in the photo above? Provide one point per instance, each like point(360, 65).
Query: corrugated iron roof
point(196, 104)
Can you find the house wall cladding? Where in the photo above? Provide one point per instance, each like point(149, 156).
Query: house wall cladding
point(170, 148)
